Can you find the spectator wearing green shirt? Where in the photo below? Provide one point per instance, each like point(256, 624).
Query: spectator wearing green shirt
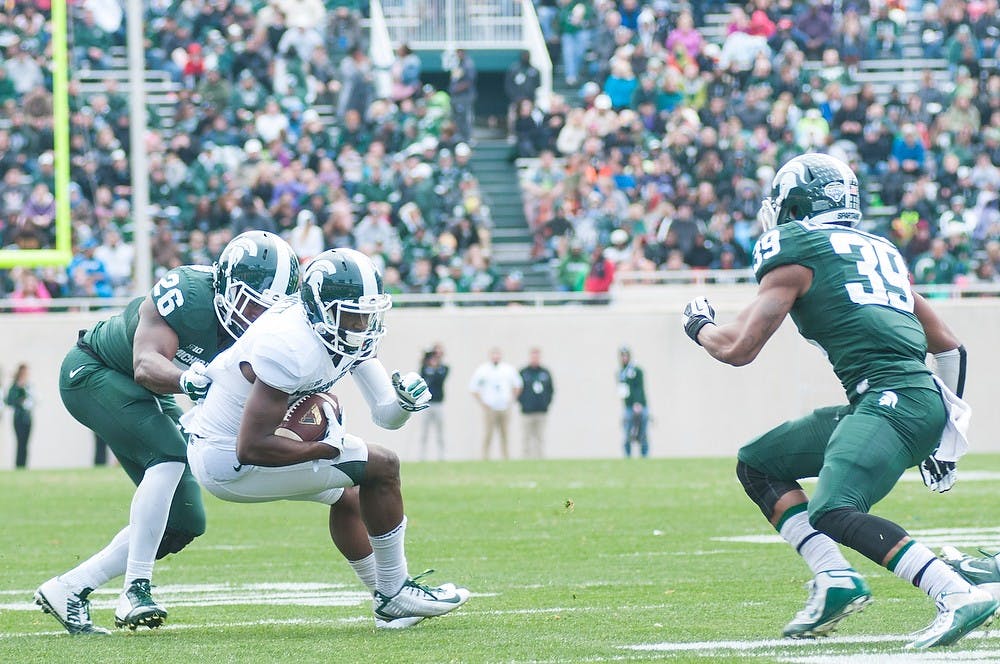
point(632, 389)
point(573, 268)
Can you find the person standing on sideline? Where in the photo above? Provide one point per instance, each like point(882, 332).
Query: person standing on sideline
point(495, 385)
point(434, 371)
point(535, 399)
point(635, 417)
point(19, 399)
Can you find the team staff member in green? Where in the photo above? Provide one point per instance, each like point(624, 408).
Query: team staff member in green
point(632, 389)
point(849, 293)
point(119, 381)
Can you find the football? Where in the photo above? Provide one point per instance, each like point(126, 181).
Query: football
point(305, 420)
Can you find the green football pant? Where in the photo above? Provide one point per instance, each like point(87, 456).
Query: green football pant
point(858, 452)
point(142, 428)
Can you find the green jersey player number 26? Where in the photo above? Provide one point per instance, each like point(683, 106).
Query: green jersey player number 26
point(119, 381)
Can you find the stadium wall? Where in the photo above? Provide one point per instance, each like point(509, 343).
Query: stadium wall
point(698, 406)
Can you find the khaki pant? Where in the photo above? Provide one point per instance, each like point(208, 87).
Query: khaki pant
point(433, 418)
point(534, 434)
point(495, 420)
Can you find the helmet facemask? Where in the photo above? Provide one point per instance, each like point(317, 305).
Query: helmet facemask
point(241, 305)
point(255, 270)
point(353, 330)
point(767, 215)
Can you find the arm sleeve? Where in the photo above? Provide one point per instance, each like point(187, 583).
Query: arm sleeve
point(373, 381)
point(951, 369)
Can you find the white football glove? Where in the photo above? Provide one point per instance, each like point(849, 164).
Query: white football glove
point(697, 314)
point(194, 382)
point(411, 391)
point(939, 476)
point(334, 436)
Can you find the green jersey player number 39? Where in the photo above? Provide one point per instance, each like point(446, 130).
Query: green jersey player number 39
point(848, 292)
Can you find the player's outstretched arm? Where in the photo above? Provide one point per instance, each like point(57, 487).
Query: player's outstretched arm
point(948, 351)
point(153, 350)
point(738, 343)
point(257, 444)
point(373, 380)
point(939, 337)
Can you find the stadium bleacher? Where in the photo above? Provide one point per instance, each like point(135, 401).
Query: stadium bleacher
point(506, 242)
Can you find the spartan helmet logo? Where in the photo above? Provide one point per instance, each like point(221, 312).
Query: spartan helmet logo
point(239, 248)
point(317, 271)
point(791, 175)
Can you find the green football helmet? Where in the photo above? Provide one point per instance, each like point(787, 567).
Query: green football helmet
point(255, 270)
point(346, 304)
point(814, 188)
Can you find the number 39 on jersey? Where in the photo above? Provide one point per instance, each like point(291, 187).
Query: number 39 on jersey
point(875, 272)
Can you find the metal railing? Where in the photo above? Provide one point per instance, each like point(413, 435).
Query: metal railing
point(634, 287)
point(447, 24)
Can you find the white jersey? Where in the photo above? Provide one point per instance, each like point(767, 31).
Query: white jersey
point(283, 352)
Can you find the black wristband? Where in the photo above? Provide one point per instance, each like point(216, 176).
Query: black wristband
point(694, 325)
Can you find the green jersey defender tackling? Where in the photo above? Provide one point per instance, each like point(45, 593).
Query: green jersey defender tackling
point(119, 380)
point(848, 292)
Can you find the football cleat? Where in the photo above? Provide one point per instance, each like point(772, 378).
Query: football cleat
point(958, 614)
point(70, 608)
point(982, 572)
point(414, 602)
point(137, 608)
point(833, 596)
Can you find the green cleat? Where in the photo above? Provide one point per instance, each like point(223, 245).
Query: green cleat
point(982, 572)
point(137, 608)
point(832, 597)
point(958, 614)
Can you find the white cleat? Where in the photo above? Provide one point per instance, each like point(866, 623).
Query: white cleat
point(414, 602)
point(70, 608)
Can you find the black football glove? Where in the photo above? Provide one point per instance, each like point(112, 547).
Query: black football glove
point(938, 475)
point(697, 314)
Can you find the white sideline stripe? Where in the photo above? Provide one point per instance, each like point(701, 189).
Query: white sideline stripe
point(354, 619)
point(985, 656)
point(254, 594)
point(963, 476)
point(772, 645)
point(987, 538)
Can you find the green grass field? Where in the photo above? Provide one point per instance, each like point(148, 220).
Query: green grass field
point(568, 561)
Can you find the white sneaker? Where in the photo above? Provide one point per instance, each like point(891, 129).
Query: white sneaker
point(70, 608)
point(958, 614)
point(414, 602)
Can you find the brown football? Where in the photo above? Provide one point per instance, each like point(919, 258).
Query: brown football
point(305, 419)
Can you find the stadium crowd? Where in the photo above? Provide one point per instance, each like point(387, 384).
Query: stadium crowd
point(656, 161)
point(277, 123)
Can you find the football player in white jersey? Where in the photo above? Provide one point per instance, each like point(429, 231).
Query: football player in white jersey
point(303, 345)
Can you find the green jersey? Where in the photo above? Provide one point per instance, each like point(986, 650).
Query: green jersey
point(631, 386)
point(859, 309)
point(184, 298)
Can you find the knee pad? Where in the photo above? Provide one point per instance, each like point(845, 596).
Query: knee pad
point(871, 536)
point(172, 542)
point(763, 490)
